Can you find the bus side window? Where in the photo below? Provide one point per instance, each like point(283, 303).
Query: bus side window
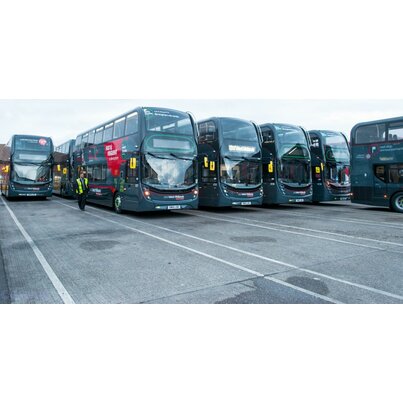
point(380, 172)
point(370, 134)
point(314, 142)
point(267, 135)
point(97, 173)
point(207, 132)
point(395, 131)
point(209, 174)
point(396, 174)
point(131, 174)
point(90, 173)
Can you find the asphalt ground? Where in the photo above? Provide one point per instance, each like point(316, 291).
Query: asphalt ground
point(51, 252)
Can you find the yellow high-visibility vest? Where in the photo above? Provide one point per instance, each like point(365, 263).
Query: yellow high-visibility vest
point(80, 189)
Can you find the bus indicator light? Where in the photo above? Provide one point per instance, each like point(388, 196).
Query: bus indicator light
point(58, 168)
point(133, 163)
point(212, 166)
point(317, 169)
point(64, 171)
point(205, 162)
point(270, 167)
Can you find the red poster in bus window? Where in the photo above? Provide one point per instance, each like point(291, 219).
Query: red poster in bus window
point(113, 155)
point(42, 142)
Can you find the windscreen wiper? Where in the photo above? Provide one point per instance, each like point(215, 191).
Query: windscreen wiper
point(181, 158)
point(243, 159)
point(155, 155)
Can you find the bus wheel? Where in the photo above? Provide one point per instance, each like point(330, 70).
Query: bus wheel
point(117, 203)
point(397, 202)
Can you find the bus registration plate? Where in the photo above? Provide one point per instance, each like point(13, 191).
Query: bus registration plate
point(246, 203)
point(299, 200)
point(174, 207)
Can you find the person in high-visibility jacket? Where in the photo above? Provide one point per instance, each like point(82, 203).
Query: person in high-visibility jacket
point(82, 190)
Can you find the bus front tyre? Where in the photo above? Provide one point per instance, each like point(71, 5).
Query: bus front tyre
point(117, 203)
point(397, 202)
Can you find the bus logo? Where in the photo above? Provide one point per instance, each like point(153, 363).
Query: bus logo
point(42, 142)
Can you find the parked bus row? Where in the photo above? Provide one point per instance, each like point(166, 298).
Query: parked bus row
point(162, 159)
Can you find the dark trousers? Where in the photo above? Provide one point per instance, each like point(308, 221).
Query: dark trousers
point(82, 198)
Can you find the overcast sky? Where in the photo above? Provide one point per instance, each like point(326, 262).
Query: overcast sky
point(64, 119)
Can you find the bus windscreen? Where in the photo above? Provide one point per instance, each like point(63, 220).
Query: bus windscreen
point(168, 121)
point(32, 144)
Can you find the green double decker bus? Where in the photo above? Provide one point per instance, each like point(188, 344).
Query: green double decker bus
point(230, 158)
point(377, 163)
point(26, 167)
point(144, 160)
point(286, 164)
point(330, 166)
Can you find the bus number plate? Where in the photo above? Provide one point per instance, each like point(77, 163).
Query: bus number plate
point(299, 200)
point(174, 207)
point(246, 203)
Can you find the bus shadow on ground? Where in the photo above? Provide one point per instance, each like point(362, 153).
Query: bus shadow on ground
point(143, 214)
point(26, 199)
point(384, 209)
point(247, 210)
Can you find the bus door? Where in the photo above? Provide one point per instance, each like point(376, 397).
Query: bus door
point(208, 177)
point(318, 165)
point(208, 163)
point(131, 188)
point(268, 162)
point(380, 181)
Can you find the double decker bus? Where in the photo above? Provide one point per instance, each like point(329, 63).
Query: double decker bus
point(330, 166)
point(63, 169)
point(230, 163)
point(144, 160)
point(286, 164)
point(377, 163)
point(26, 167)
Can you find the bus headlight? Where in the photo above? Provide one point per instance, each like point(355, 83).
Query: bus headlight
point(147, 194)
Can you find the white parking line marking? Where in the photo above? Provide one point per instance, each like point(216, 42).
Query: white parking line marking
point(315, 230)
point(64, 295)
point(245, 269)
point(351, 220)
point(284, 230)
point(291, 266)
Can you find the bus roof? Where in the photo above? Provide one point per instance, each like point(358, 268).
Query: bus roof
point(31, 135)
point(380, 121)
point(223, 117)
point(280, 124)
point(325, 131)
point(125, 114)
point(66, 142)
